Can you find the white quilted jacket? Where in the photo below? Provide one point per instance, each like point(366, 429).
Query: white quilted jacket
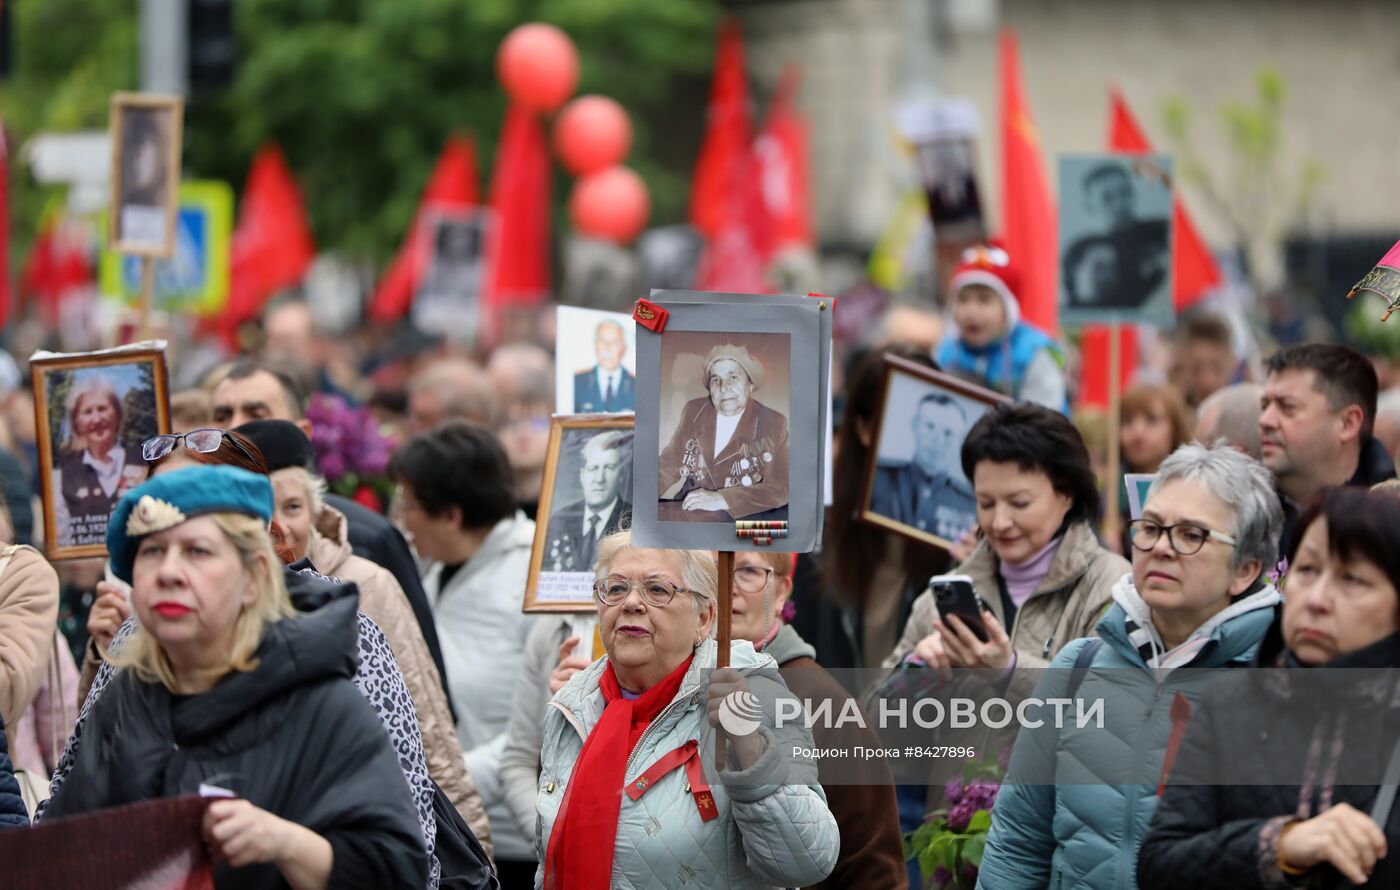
point(773, 829)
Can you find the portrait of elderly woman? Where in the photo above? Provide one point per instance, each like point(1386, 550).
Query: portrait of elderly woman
point(95, 436)
point(728, 455)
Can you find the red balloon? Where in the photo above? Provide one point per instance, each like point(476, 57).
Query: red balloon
point(611, 204)
point(592, 133)
point(538, 66)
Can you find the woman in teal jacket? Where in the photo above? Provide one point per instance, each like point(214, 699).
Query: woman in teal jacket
point(1078, 801)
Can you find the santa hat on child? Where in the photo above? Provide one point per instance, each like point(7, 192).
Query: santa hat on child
point(990, 265)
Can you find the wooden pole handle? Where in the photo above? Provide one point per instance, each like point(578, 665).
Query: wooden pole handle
point(724, 607)
point(1112, 520)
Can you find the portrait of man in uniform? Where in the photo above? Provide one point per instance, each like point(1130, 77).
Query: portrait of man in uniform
point(576, 528)
point(727, 457)
point(1115, 236)
point(607, 387)
point(929, 491)
point(915, 480)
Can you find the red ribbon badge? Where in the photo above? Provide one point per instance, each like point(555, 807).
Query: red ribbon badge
point(689, 756)
point(650, 316)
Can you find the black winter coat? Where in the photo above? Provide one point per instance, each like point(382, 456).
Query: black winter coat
point(293, 737)
point(13, 813)
point(1328, 734)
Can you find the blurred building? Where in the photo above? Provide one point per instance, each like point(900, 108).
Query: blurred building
point(1338, 60)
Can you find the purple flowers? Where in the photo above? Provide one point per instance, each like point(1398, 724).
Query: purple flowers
point(949, 844)
point(965, 800)
point(347, 441)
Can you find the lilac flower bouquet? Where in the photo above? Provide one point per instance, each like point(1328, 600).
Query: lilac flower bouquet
point(950, 843)
point(351, 452)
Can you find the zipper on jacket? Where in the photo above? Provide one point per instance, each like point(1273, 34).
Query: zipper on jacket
point(654, 723)
point(573, 721)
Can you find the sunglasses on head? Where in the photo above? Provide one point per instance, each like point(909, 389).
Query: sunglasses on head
point(204, 441)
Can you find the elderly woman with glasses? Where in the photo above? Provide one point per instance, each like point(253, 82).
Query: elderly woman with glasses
point(1073, 804)
point(638, 720)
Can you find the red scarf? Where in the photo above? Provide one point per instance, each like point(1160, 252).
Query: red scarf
point(580, 852)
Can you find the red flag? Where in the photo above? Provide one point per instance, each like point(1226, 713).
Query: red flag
point(726, 144)
point(1194, 271)
point(57, 263)
point(735, 258)
point(272, 244)
point(784, 171)
point(1093, 351)
point(518, 270)
point(1028, 210)
point(452, 186)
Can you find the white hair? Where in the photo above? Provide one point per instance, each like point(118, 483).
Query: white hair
point(699, 570)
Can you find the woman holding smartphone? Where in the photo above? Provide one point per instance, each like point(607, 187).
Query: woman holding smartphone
point(1040, 569)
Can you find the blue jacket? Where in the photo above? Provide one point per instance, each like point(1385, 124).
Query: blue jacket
point(1064, 817)
point(12, 810)
point(1000, 365)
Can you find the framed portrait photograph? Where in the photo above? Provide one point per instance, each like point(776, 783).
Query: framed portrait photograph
point(1116, 239)
point(449, 299)
point(584, 498)
point(914, 483)
point(731, 398)
point(146, 137)
point(92, 411)
point(595, 361)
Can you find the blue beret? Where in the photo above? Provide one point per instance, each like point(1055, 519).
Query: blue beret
point(171, 498)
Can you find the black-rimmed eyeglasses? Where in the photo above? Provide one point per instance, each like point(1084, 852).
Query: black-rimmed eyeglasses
point(204, 441)
point(1185, 538)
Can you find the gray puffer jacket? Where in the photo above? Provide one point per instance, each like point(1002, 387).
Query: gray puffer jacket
point(773, 829)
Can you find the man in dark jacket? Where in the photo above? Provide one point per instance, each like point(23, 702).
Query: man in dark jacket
point(1315, 429)
point(13, 812)
point(253, 391)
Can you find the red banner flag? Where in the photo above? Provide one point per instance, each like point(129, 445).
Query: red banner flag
point(783, 167)
point(1028, 209)
point(452, 186)
point(272, 244)
point(726, 144)
point(518, 269)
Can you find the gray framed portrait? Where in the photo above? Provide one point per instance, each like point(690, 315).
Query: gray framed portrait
point(914, 482)
point(1116, 239)
point(92, 411)
point(448, 301)
point(731, 399)
point(145, 131)
point(585, 496)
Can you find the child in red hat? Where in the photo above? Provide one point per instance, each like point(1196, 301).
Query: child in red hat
point(990, 343)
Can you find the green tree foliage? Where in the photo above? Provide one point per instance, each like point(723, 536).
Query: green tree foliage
point(361, 94)
point(139, 418)
point(1248, 188)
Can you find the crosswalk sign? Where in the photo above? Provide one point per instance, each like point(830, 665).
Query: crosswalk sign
point(196, 276)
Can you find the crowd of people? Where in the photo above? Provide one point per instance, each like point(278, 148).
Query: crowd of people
point(359, 672)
